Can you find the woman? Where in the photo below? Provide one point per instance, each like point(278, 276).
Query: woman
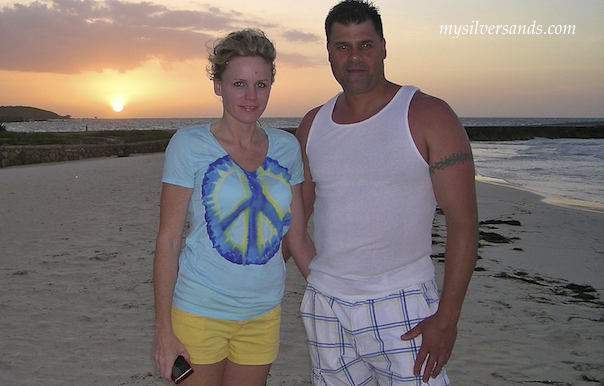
point(217, 300)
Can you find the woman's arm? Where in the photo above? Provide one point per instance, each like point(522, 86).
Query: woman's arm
point(172, 218)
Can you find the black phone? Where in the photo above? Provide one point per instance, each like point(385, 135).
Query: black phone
point(181, 370)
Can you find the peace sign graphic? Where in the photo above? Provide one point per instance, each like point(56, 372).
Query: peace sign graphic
point(246, 212)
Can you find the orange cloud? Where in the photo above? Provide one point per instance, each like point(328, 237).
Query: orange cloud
point(71, 37)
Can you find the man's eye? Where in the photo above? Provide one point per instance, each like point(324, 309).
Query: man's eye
point(343, 47)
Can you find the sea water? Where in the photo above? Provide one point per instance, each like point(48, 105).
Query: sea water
point(568, 168)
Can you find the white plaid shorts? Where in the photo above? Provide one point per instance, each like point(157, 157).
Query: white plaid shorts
point(358, 343)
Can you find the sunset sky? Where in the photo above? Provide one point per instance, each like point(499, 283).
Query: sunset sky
point(80, 57)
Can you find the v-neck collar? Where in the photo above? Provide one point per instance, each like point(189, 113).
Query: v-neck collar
point(253, 172)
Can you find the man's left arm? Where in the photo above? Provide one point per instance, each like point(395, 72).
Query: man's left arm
point(447, 149)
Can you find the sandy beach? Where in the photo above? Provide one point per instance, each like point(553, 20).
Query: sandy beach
point(76, 292)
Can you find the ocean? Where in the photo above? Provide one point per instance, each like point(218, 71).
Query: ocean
point(567, 168)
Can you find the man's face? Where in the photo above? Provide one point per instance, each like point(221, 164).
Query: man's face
point(356, 53)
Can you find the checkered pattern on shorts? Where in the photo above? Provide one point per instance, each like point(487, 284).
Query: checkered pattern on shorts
point(358, 343)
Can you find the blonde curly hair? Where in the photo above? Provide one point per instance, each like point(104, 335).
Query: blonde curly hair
point(244, 43)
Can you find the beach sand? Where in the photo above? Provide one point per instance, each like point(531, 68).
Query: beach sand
point(76, 294)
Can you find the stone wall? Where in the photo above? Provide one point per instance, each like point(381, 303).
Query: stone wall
point(25, 155)
point(516, 133)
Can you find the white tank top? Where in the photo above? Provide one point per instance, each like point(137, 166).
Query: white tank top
point(374, 203)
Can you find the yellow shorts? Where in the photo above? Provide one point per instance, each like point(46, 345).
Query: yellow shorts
point(247, 342)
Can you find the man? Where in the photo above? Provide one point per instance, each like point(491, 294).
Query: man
point(378, 158)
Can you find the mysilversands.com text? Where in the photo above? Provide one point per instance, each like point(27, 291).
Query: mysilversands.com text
point(475, 28)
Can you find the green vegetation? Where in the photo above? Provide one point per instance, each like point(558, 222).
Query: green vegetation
point(81, 138)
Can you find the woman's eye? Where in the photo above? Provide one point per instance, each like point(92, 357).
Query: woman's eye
point(261, 85)
point(238, 84)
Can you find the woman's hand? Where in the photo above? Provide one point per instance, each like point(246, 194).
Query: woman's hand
point(166, 348)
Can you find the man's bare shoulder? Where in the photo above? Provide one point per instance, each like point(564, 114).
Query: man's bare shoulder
point(306, 123)
point(426, 106)
point(427, 112)
point(311, 114)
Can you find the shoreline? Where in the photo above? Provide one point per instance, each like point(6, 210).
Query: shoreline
point(77, 295)
point(551, 199)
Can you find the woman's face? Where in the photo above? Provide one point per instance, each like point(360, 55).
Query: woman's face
point(245, 88)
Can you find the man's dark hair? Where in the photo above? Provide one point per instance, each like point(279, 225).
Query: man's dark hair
point(350, 12)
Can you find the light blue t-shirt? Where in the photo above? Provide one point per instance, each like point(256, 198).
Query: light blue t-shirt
point(231, 266)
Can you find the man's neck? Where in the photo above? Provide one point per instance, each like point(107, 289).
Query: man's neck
point(357, 107)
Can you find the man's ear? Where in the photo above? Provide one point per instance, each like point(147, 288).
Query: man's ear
point(384, 45)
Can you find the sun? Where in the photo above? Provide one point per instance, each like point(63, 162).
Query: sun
point(117, 107)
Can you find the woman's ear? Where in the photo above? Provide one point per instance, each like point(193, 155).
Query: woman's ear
point(217, 87)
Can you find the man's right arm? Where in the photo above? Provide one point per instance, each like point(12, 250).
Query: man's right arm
point(308, 186)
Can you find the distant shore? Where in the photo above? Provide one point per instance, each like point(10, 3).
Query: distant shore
point(27, 113)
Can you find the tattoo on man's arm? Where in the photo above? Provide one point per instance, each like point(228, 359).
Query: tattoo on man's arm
point(455, 158)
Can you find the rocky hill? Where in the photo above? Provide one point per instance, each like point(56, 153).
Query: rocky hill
point(24, 113)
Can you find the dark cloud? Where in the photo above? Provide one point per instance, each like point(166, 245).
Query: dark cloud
point(300, 61)
point(71, 36)
point(299, 36)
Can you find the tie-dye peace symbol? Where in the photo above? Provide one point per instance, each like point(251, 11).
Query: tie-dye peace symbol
point(246, 212)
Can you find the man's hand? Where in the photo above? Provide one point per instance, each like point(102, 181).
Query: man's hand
point(438, 337)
